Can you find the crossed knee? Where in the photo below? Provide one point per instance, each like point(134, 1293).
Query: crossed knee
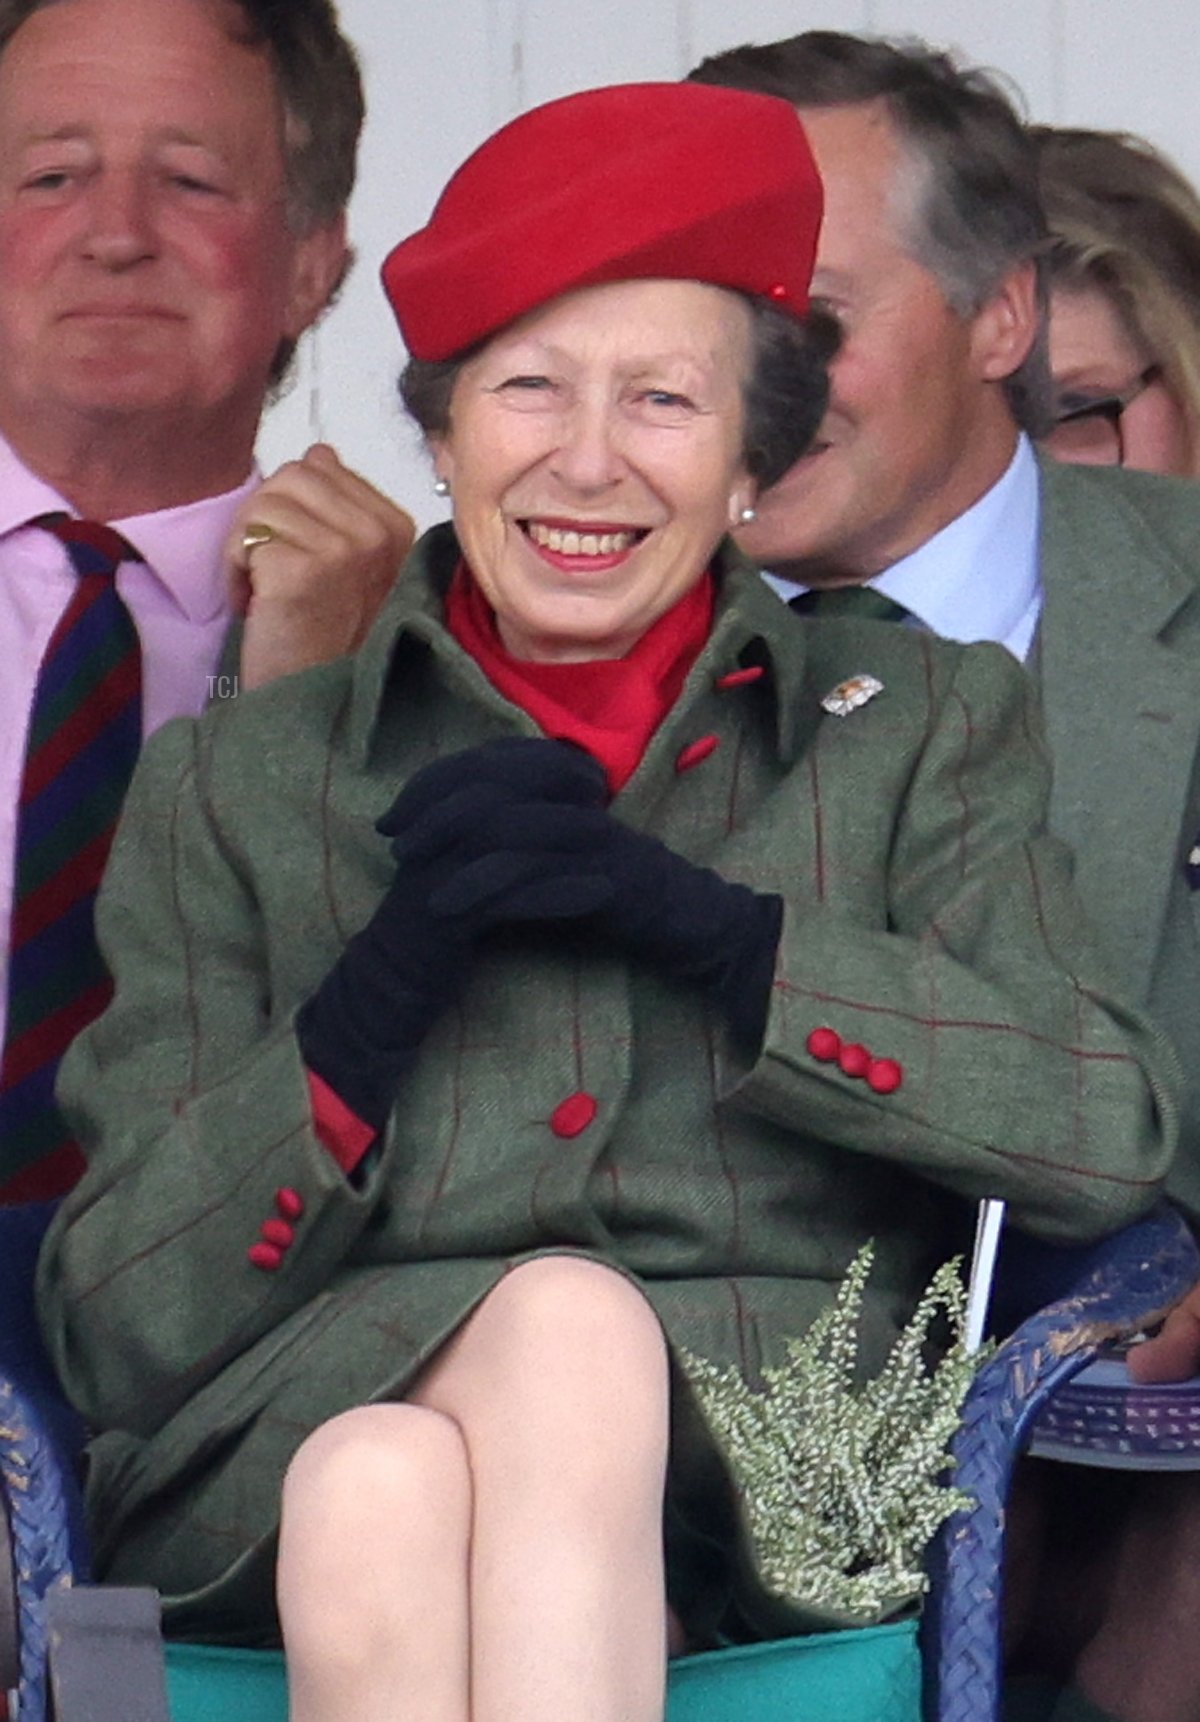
point(362, 1474)
point(560, 1378)
point(567, 1321)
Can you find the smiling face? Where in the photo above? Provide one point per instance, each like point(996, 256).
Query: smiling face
point(594, 457)
point(147, 269)
point(1093, 355)
point(917, 427)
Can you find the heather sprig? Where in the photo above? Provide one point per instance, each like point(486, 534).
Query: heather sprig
point(844, 1482)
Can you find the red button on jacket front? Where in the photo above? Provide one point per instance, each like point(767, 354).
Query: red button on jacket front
point(740, 678)
point(697, 751)
point(265, 1256)
point(572, 1116)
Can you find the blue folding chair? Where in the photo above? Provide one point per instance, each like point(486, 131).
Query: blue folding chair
point(72, 1646)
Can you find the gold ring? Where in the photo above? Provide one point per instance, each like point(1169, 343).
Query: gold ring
point(256, 535)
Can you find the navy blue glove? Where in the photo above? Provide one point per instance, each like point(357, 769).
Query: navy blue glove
point(685, 920)
point(693, 925)
point(442, 803)
point(361, 1030)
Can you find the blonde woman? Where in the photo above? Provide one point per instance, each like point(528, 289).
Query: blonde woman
point(1124, 275)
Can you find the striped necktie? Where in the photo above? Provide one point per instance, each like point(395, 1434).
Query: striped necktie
point(862, 603)
point(85, 729)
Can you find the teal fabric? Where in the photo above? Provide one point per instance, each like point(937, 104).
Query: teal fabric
point(206, 1683)
point(871, 1675)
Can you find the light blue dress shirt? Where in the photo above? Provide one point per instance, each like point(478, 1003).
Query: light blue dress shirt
point(978, 578)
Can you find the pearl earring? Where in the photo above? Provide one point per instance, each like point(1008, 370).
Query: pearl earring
point(747, 515)
point(441, 487)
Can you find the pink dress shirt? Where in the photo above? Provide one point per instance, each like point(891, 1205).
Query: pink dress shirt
point(177, 598)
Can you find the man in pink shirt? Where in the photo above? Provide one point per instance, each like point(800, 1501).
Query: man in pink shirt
point(173, 183)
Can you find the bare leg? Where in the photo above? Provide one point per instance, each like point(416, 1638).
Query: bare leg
point(373, 1563)
point(559, 1387)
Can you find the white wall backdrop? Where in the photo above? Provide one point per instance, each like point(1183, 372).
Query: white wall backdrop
point(441, 74)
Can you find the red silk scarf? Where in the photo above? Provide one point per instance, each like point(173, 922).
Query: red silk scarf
point(610, 706)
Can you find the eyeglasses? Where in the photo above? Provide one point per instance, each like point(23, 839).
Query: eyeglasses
point(1088, 427)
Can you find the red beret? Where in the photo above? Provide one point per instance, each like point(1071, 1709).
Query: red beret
point(638, 181)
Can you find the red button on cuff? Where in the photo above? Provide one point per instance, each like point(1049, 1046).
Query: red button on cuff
point(290, 1203)
point(740, 678)
point(884, 1075)
point(697, 751)
point(572, 1116)
point(265, 1256)
point(824, 1044)
point(277, 1232)
point(854, 1059)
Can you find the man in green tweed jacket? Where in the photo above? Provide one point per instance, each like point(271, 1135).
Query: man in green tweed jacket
point(940, 1029)
point(927, 489)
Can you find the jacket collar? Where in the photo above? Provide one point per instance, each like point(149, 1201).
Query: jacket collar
point(750, 627)
point(1119, 665)
point(1102, 522)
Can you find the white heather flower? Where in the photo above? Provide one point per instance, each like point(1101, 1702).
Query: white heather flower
point(843, 1482)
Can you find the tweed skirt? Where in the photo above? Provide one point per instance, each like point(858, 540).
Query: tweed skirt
point(203, 1529)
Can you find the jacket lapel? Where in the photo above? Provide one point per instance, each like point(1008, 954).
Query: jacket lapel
point(1119, 664)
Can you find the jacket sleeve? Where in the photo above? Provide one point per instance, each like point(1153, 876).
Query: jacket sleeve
point(192, 1105)
point(974, 1033)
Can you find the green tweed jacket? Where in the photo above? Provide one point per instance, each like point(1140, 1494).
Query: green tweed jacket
point(928, 920)
point(1118, 662)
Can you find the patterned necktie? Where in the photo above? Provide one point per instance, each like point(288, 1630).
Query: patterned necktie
point(85, 729)
point(863, 603)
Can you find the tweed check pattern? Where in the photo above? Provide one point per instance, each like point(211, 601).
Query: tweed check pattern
point(946, 940)
point(84, 735)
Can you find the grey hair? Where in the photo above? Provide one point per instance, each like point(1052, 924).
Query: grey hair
point(973, 209)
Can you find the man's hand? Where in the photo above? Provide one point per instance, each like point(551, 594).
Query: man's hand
point(312, 592)
point(1174, 1352)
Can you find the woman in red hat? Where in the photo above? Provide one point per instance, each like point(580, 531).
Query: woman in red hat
point(564, 987)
